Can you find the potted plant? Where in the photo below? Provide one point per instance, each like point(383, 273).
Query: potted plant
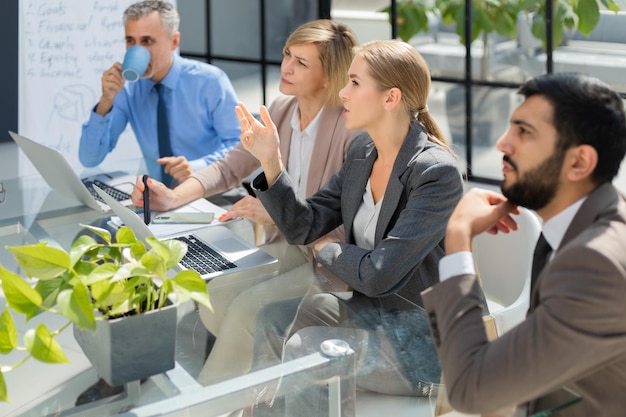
point(101, 285)
point(500, 16)
point(491, 106)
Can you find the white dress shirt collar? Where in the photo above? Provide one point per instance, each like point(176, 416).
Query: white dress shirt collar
point(554, 229)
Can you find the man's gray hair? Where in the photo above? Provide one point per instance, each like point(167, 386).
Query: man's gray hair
point(168, 13)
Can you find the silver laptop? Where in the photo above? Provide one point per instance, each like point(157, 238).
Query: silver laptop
point(212, 251)
point(60, 176)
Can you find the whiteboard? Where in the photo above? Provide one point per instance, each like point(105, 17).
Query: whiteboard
point(64, 47)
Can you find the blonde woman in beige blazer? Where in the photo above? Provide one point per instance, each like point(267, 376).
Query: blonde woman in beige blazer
point(316, 58)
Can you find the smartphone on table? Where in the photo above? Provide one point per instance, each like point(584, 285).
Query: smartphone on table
point(183, 218)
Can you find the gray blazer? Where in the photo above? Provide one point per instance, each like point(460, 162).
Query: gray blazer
point(423, 189)
point(574, 334)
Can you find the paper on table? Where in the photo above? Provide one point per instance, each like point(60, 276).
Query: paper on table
point(198, 206)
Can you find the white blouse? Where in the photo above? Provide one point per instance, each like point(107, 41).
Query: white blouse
point(366, 219)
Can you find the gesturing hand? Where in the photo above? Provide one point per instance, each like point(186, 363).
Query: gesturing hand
point(260, 139)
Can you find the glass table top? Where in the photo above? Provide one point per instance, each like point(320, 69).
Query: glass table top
point(31, 212)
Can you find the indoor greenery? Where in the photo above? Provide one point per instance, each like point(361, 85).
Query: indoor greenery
point(97, 280)
point(501, 16)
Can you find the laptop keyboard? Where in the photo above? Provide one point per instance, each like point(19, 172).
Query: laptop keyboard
point(202, 258)
point(113, 192)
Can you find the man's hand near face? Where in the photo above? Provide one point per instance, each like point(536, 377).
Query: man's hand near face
point(478, 211)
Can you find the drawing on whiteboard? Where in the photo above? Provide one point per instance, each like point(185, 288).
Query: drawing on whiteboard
point(73, 103)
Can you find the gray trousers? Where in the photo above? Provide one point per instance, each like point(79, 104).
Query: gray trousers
point(394, 353)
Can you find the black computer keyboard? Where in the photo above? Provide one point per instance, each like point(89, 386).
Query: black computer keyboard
point(202, 258)
point(113, 192)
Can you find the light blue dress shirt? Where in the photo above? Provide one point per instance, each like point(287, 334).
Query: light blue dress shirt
point(200, 100)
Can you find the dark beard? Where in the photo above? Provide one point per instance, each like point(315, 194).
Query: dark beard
point(535, 188)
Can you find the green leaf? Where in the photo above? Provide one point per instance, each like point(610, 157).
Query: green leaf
point(49, 290)
point(610, 5)
point(131, 269)
point(482, 19)
point(103, 233)
point(22, 298)
point(120, 309)
point(83, 269)
point(112, 253)
point(76, 306)
point(41, 261)
point(565, 16)
point(588, 13)
point(506, 22)
point(189, 284)
point(421, 17)
point(3, 389)
point(137, 250)
point(102, 272)
point(171, 251)
point(80, 246)
point(125, 235)
point(562, 16)
point(479, 26)
point(162, 248)
point(412, 19)
point(528, 5)
point(100, 290)
point(153, 262)
point(406, 27)
point(43, 347)
point(159, 247)
point(459, 18)
point(177, 251)
point(8, 332)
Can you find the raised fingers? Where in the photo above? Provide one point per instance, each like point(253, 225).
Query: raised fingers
point(265, 116)
point(244, 114)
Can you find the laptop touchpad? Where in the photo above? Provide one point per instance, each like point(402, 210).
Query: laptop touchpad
point(233, 248)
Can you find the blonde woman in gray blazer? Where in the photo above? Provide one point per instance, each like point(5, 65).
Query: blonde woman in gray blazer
point(393, 194)
point(236, 302)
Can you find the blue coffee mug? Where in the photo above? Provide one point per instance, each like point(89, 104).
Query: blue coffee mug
point(135, 63)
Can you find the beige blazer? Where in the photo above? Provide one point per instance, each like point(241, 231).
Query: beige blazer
point(329, 151)
point(574, 334)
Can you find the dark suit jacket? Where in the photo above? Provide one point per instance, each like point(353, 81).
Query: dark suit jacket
point(423, 189)
point(574, 334)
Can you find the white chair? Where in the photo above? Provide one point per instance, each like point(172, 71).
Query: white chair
point(504, 264)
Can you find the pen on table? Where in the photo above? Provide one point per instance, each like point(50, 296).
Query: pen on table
point(146, 200)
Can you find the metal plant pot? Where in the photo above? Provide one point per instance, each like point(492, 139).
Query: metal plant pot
point(131, 348)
